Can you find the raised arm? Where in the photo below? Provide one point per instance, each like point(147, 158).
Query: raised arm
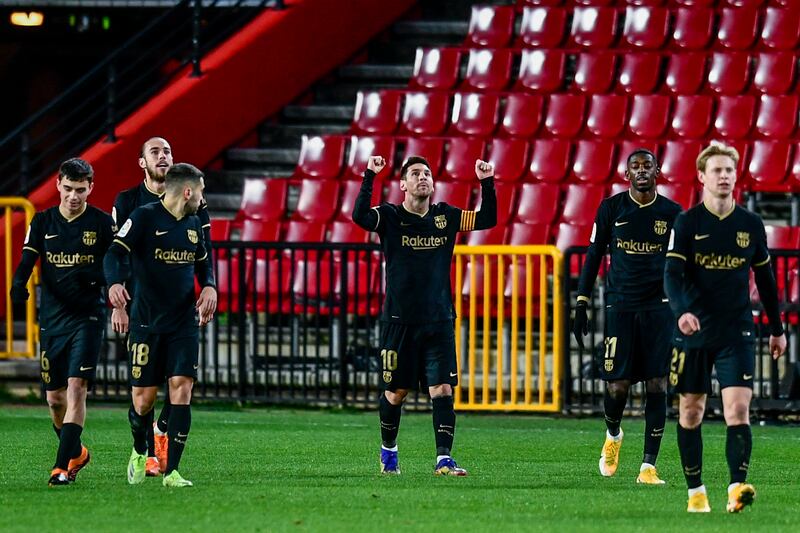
point(486, 216)
point(363, 214)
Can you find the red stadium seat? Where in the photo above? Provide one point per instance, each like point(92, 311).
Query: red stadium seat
point(317, 200)
point(593, 161)
point(361, 148)
point(425, 113)
point(272, 281)
point(550, 160)
point(541, 70)
point(226, 274)
point(506, 198)
point(695, 3)
point(781, 29)
point(735, 116)
point(348, 192)
point(683, 194)
point(742, 3)
point(607, 116)
point(263, 199)
point(737, 28)
point(581, 202)
point(538, 203)
point(728, 72)
point(618, 187)
point(303, 231)
point(777, 116)
point(522, 115)
point(645, 27)
point(488, 70)
point(782, 237)
point(493, 235)
point(320, 156)
point(569, 235)
point(396, 196)
point(362, 284)
point(460, 159)
point(685, 73)
point(312, 285)
point(260, 230)
point(678, 161)
point(509, 157)
point(649, 115)
point(455, 193)
point(692, 28)
point(775, 72)
point(565, 114)
point(742, 147)
point(429, 148)
point(626, 148)
point(639, 73)
point(376, 111)
point(520, 233)
point(490, 26)
point(436, 68)
point(345, 231)
point(474, 114)
point(594, 72)
point(691, 118)
point(793, 180)
point(542, 27)
point(220, 229)
point(769, 165)
point(593, 27)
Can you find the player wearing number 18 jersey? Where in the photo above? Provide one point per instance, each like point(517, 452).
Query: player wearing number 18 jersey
point(417, 338)
point(634, 227)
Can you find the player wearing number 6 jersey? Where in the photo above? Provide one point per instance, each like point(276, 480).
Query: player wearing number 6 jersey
point(712, 250)
point(417, 338)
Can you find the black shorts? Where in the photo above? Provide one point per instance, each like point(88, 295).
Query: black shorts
point(72, 355)
point(418, 356)
point(690, 368)
point(153, 358)
point(637, 344)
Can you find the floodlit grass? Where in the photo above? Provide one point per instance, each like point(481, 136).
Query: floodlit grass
point(296, 470)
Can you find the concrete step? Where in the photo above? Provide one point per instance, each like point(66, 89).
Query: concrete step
point(280, 156)
point(318, 112)
point(369, 71)
point(455, 28)
point(345, 92)
point(292, 134)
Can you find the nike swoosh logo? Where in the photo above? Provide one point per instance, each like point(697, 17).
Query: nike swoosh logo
point(618, 224)
point(46, 236)
point(160, 233)
point(182, 436)
point(701, 237)
point(195, 366)
point(405, 224)
point(453, 374)
point(747, 376)
point(85, 368)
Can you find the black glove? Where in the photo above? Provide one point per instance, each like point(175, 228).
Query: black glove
point(580, 324)
point(19, 293)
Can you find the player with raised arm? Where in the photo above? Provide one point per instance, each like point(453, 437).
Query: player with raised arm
point(417, 338)
point(712, 249)
point(165, 245)
point(71, 240)
point(634, 227)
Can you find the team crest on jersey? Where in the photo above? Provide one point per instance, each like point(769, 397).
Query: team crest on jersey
point(192, 236)
point(440, 221)
point(742, 239)
point(89, 238)
point(661, 227)
point(387, 377)
point(609, 365)
point(136, 372)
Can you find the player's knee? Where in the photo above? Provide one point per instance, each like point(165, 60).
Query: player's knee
point(691, 415)
point(438, 391)
point(737, 413)
point(618, 389)
point(77, 387)
point(56, 403)
point(656, 385)
point(396, 397)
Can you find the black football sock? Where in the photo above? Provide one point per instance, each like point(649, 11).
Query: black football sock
point(163, 417)
point(151, 442)
point(613, 407)
point(70, 438)
point(180, 420)
point(738, 445)
point(57, 430)
point(390, 421)
point(690, 444)
point(139, 424)
point(444, 424)
point(655, 417)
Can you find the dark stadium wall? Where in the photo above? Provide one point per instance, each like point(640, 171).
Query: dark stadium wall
point(248, 78)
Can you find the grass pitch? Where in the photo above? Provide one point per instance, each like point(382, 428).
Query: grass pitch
point(294, 470)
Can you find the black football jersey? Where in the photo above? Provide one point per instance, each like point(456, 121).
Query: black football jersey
point(71, 253)
point(636, 236)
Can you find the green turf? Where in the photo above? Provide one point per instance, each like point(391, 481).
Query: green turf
point(287, 470)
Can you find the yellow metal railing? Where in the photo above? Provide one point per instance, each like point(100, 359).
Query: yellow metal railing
point(517, 366)
point(11, 206)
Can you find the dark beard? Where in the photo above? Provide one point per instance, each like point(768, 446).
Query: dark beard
point(156, 178)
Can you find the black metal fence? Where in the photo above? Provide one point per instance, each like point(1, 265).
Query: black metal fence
point(298, 324)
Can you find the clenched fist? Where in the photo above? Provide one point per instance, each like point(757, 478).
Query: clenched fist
point(376, 163)
point(483, 169)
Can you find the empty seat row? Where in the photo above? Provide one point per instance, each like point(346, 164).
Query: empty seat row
point(610, 116)
point(521, 4)
point(553, 70)
point(636, 27)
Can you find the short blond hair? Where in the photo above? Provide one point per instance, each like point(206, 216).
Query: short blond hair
point(716, 148)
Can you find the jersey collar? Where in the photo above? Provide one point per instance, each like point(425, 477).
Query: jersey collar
point(722, 216)
point(70, 219)
point(651, 202)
